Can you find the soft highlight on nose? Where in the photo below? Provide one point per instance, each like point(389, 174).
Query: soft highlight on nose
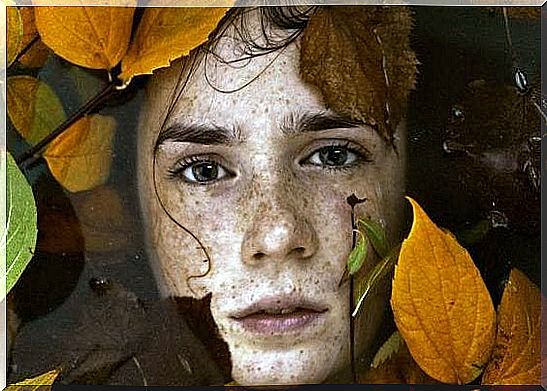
point(278, 233)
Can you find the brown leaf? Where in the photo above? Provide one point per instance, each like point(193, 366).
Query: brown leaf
point(393, 364)
point(14, 26)
point(441, 305)
point(105, 221)
point(165, 34)
point(360, 59)
point(59, 229)
point(516, 356)
point(37, 54)
point(33, 108)
point(80, 158)
point(92, 37)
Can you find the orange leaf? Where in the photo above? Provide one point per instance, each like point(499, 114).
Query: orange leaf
point(516, 357)
point(14, 26)
point(80, 158)
point(165, 34)
point(92, 37)
point(393, 364)
point(441, 305)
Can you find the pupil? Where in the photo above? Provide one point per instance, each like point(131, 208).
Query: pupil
point(204, 172)
point(333, 156)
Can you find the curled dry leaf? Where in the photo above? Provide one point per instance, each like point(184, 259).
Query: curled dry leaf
point(361, 61)
point(37, 53)
point(33, 108)
point(92, 37)
point(14, 26)
point(441, 305)
point(105, 222)
point(32, 384)
point(80, 158)
point(516, 358)
point(165, 34)
point(393, 364)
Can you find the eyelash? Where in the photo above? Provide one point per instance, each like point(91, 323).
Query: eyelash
point(362, 156)
point(181, 165)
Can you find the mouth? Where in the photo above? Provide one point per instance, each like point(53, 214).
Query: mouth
point(279, 315)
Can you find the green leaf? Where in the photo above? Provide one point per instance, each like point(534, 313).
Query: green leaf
point(33, 108)
point(358, 255)
point(368, 282)
point(376, 234)
point(20, 224)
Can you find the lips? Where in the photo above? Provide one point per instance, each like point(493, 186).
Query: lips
point(279, 315)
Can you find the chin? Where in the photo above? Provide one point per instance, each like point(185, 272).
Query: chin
point(256, 367)
point(307, 363)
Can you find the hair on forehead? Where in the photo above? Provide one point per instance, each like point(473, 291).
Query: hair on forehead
point(262, 30)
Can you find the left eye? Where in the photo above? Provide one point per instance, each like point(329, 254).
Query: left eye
point(333, 156)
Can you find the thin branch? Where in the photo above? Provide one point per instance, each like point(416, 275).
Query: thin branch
point(352, 200)
point(92, 104)
point(26, 49)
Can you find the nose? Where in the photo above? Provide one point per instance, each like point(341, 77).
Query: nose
point(278, 233)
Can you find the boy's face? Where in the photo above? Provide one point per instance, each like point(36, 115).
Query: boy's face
point(260, 175)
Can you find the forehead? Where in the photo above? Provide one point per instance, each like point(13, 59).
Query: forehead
point(260, 88)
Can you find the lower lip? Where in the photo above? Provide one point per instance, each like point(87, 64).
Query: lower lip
point(273, 324)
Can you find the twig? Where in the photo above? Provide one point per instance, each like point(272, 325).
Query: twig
point(85, 109)
point(352, 200)
point(26, 49)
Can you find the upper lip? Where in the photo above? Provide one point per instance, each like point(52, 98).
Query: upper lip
point(278, 303)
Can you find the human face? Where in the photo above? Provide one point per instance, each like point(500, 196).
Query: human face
point(261, 176)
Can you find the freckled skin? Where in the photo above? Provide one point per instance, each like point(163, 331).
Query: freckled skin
point(293, 213)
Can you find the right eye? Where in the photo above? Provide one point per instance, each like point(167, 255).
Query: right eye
point(199, 170)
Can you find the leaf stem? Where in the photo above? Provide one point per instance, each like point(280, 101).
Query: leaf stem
point(92, 104)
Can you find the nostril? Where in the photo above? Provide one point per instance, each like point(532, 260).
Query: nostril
point(258, 256)
point(299, 251)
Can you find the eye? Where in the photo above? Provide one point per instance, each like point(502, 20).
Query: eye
point(199, 170)
point(333, 156)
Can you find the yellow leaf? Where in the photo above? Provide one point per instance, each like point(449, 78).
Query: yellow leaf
point(80, 158)
point(516, 358)
point(38, 53)
point(165, 34)
point(33, 108)
point(441, 305)
point(105, 221)
point(393, 364)
point(92, 37)
point(14, 33)
point(32, 384)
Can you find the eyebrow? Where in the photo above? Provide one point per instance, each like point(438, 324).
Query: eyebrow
point(299, 122)
point(292, 124)
point(205, 134)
